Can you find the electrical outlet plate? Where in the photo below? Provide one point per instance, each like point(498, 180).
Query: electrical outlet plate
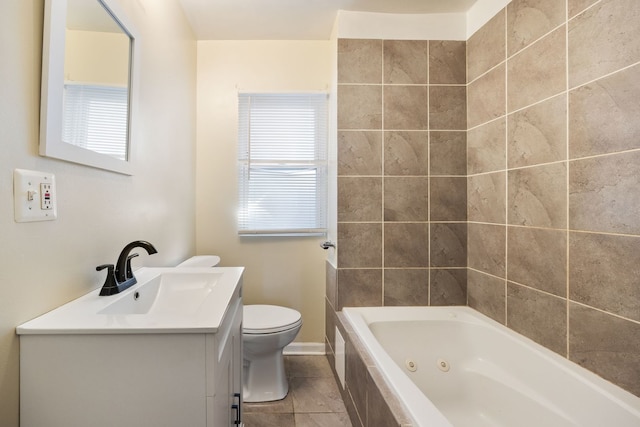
point(34, 195)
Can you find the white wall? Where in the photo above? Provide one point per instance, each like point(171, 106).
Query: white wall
point(406, 26)
point(286, 271)
point(45, 264)
point(96, 57)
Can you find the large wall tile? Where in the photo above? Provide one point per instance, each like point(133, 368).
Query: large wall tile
point(604, 193)
point(577, 6)
point(360, 245)
point(447, 62)
point(486, 48)
point(405, 107)
point(486, 248)
point(359, 152)
point(447, 108)
point(448, 153)
point(537, 196)
point(359, 107)
point(406, 245)
point(539, 316)
point(406, 199)
point(606, 345)
point(538, 258)
point(486, 147)
point(604, 115)
point(538, 72)
point(448, 245)
point(528, 20)
point(406, 153)
point(359, 288)
point(603, 39)
point(359, 61)
point(448, 286)
point(331, 289)
point(448, 198)
point(486, 200)
point(330, 322)
point(405, 61)
point(359, 199)
point(406, 287)
point(486, 97)
point(487, 295)
point(604, 271)
point(356, 379)
point(379, 400)
point(538, 134)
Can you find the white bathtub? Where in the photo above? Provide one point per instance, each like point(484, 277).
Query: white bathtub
point(473, 371)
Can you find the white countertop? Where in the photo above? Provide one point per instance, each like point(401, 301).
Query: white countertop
point(82, 315)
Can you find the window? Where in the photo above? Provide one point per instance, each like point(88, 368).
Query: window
point(95, 118)
point(282, 163)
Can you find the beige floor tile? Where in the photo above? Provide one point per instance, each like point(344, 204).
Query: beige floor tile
point(307, 366)
point(313, 400)
point(323, 420)
point(284, 406)
point(316, 395)
point(268, 420)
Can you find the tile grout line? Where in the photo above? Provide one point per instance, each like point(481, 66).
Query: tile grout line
point(382, 172)
point(567, 253)
point(506, 175)
point(428, 177)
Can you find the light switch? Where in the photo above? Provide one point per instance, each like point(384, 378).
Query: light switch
point(34, 195)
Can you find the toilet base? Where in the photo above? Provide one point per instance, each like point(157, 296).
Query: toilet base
point(264, 378)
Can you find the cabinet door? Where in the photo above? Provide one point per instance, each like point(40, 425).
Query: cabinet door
point(236, 363)
point(227, 401)
point(223, 415)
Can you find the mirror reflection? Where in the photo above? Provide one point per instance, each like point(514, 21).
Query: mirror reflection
point(96, 80)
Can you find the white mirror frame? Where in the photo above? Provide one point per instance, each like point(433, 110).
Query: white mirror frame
point(51, 100)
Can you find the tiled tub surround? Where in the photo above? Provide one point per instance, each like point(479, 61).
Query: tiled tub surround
point(369, 400)
point(554, 179)
point(402, 195)
point(552, 182)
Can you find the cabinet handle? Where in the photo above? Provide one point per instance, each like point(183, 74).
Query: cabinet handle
point(238, 409)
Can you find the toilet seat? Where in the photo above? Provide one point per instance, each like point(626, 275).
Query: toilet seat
point(269, 319)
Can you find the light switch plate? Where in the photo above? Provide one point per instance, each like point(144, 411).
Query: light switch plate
point(34, 196)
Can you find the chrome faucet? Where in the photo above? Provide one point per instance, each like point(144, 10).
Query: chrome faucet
point(121, 277)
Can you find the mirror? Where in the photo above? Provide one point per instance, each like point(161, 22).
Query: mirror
point(89, 51)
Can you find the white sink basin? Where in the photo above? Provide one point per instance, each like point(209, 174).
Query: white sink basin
point(168, 293)
point(165, 300)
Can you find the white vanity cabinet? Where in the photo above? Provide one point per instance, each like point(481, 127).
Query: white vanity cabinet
point(134, 379)
point(224, 381)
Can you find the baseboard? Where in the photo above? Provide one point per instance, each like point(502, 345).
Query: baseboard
point(304, 348)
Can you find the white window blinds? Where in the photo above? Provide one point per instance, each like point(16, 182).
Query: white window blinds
point(282, 163)
point(95, 118)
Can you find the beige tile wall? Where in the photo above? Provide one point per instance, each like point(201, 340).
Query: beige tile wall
point(544, 208)
point(554, 178)
point(402, 192)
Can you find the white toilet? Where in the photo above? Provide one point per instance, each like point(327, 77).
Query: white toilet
point(266, 330)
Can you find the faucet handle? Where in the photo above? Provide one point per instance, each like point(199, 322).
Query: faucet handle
point(129, 271)
point(110, 282)
point(103, 266)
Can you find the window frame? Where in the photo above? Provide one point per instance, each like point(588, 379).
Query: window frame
point(264, 149)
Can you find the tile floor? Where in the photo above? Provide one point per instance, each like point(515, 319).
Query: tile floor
point(313, 400)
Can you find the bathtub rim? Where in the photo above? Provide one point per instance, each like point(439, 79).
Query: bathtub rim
point(358, 320)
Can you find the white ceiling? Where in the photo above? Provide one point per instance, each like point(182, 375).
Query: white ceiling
point(293, 19)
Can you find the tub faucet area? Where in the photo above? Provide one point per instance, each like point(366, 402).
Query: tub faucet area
point(121, 277)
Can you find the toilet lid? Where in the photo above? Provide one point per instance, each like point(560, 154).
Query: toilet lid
point(266, 319)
